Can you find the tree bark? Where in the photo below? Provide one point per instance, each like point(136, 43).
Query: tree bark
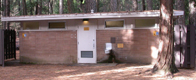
point(113, 5)
point(135, 5)
point(6, 13)
point(70, 6)
point(20, 7)
point(97, 4)
point(149, 5)
point(192, 12)
point(38, 7)
point(60, 6)
point(50, 7)
point(143, 5)
point(24, 7)
point(165, 61)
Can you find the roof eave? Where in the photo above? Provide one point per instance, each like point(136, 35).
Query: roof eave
point(89, 16)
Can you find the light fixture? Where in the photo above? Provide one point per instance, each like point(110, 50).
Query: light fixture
point(85, 19)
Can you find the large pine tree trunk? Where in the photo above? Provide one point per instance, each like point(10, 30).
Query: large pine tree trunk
point(135, 5)
point(165, 59)
point(24, 7)
point(113, 5)
point(60, 6)
point(149, 5)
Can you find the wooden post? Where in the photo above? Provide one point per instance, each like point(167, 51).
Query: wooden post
point(2, 47)
point(192, 46)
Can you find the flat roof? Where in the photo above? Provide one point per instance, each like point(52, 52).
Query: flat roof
point(151, 13)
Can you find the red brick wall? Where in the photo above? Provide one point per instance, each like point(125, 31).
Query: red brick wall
point(52, 47)
point(138, 44)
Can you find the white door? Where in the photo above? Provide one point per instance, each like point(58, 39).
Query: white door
point(87, 44)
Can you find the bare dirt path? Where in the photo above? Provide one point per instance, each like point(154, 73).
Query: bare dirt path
point(65, 72)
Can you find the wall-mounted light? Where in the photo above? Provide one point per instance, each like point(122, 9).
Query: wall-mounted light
point(85, 19)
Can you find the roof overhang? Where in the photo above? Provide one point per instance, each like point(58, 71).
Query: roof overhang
point(154, 13)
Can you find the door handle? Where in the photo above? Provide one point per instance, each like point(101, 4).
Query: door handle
point(93, 44)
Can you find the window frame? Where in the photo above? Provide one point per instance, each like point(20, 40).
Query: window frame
point(56, 22)
point(156, 25)
point(29, 22)
point(114, 27)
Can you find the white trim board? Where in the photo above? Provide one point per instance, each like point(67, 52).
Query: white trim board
point(153, 13)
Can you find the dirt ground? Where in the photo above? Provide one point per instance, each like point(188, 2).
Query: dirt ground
point(95, 72)
point(87, 72)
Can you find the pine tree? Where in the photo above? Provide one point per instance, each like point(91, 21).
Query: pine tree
point(165, 60)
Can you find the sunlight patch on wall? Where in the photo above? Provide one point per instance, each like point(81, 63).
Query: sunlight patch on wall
point(154, 53)
point(127, 34)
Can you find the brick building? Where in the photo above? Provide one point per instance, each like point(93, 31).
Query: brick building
point(82, 38)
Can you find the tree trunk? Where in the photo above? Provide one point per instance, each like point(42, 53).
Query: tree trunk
point(165, 61)
point(113, 5)
point(0, 7)
point(143, 5)
point(192, 12)
point(39, 7)
point(6, 13)
point(20, 7)
point(135, 5)
point(97, 4)
point(70, 6)
point(149, 5)
point(50, 7)
point(24, 7)
point(60, 6)
point(31, 8)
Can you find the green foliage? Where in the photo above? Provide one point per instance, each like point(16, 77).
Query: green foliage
point(83, 2)
point(156, 4)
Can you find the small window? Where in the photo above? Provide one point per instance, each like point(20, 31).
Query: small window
point(114, 24)
point(56, 25)
point(30, 25)
point(142, 23)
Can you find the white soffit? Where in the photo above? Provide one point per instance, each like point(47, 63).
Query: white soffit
point(154, 13)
